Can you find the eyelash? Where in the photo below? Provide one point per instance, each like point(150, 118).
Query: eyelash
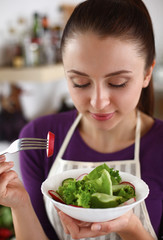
point(111, 85)
point(80, 86)
point(118, 86)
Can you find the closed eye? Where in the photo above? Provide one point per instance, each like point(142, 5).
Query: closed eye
point(118, 85)
point(80, 85)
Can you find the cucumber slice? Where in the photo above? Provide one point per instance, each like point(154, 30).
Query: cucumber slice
point(102, 200)
point(118, 187)
point(124, 190)
point(67, 180)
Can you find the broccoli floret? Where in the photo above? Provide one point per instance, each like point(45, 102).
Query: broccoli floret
point(67, 192)
point(115, 177)
point(83, 199)
point(77, 193)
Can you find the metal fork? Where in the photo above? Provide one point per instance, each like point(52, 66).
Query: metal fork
point(26, 144)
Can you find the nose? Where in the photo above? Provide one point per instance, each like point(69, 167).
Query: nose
point(100, 98)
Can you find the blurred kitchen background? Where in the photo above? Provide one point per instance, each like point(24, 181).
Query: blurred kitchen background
point(32, 80)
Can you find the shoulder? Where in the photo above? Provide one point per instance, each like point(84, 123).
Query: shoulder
point(151, 125)
point(157, 130)
point(158, 124)
point(58, 122)
point(151, 153)
point(153, 138)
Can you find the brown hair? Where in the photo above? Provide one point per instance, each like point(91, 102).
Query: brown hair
point(125, 19)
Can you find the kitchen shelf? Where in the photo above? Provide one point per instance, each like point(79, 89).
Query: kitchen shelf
point(37, 74)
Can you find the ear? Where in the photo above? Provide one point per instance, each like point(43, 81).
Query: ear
point(148, 75)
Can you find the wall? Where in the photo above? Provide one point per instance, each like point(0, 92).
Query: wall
point(155, 8)
point(12, 9)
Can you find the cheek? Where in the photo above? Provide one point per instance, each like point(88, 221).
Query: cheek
point(128, 100)
point(79, 97)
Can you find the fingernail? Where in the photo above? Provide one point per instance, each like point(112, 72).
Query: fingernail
point(96, 227)
point(2, 158)
point(11, 163)
point(60, 214)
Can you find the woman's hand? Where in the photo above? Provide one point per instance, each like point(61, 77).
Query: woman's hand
point(127, 227)
point(12, 192)
point(78, 229)
point(14, 195)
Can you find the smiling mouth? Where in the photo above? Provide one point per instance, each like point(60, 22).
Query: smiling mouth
point(102, 117)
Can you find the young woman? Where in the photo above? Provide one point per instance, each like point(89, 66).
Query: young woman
point(108, 53)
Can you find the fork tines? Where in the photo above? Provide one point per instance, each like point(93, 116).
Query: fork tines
point(33, 143)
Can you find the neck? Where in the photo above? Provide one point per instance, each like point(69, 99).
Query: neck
point(115, 139)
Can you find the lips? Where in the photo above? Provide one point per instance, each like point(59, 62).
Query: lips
point(102, 117)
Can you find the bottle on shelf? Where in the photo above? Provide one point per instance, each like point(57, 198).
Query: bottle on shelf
point(15, 49)
point(48, 49)
point(56, 32)
point(32, 43)
point(45, 24)
point(37, 30)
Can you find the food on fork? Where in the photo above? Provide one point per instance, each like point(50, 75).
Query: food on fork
point(101, 188)
point(51, 140)
point(32, 143)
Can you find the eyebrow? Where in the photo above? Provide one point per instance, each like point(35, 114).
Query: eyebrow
point(77, 72)
point(107, 75)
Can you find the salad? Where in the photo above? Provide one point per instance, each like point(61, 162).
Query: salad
point(101, 188)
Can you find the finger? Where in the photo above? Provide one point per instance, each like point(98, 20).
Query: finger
point(113, 225)
point(64, 226)
point(84, 224)
point(81, 223)
point(78, 222)
point(75, 231)
point(2, 158)
point(63, 222)
point(57, 209)
point(4, 166)
point(5, 179)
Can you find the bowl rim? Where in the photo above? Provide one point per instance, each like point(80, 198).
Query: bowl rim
point(87, 170)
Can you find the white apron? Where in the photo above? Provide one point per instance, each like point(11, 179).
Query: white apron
point(131, 166)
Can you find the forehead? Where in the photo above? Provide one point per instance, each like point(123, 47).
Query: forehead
point(88, 49)
point(88, 40)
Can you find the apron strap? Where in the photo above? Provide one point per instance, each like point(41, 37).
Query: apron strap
point(138, 172)
point(71, 131)
point(65, 142)
point(137, 144)
point(137, 136)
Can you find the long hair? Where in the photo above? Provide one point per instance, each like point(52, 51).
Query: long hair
point(124, 19)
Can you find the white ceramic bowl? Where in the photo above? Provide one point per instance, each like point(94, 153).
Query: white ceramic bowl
point(90, 214)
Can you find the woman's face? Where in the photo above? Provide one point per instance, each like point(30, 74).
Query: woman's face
point(105, 77)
